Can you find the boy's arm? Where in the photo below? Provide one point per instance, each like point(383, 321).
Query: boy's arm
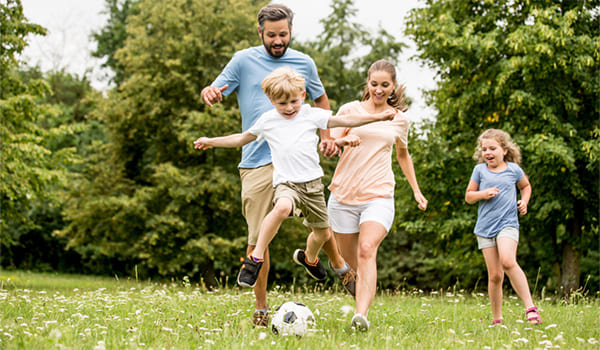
point(234, 140)
point(353, 120)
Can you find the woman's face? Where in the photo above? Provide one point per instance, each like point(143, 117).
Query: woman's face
point(380, 85)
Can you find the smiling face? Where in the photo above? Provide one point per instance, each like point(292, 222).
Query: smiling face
point(288, 107)
point(380, 85)
point(276, 36)
point(492, 153)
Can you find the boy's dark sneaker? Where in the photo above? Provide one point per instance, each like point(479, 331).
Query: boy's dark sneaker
point(260, 319)
point(316, 270)
point(348, 279)
point(249, 272)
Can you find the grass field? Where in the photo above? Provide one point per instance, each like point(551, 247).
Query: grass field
point(51, 311)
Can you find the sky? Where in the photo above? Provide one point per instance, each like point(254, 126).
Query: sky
point(70, 23)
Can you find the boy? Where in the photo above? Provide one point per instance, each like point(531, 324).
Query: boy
point(290, 130)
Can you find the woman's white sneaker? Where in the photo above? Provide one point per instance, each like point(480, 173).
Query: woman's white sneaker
point(360, 323)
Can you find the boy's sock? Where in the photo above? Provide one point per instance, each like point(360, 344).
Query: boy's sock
point(256, 259)
point(341, 270)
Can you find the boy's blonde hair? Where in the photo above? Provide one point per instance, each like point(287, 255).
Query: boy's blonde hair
point(513, 153)
point(283, 83)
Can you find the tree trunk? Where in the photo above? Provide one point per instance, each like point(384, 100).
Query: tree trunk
point(208, 275)
point(570, 269)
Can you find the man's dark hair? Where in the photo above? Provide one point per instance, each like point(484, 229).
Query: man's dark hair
point(273, 13)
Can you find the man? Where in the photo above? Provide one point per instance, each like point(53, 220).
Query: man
point(244, 74)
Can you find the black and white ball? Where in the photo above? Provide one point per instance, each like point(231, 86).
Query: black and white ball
point(292, 318)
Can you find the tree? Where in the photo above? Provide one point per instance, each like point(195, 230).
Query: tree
point(147, 197)
point(530, 68)
point(112, 36)
point(28, 168)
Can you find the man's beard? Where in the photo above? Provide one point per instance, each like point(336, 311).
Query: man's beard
point(269, 49)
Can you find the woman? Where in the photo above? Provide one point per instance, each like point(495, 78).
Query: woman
point(361, 205)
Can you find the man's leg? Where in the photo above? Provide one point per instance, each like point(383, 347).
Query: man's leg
point(257, 201)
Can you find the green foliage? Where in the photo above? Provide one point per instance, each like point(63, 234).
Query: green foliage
point(112, 36)
point(529, 68)
point(29, 168)
point(339, 52)
point(147, 196)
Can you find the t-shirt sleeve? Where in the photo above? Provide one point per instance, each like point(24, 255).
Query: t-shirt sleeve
point(258, 128)
point(476, 175)
point(313, 83)
point(336, 133)
point(402, 125)
point(320, 116)
point(519, 173)
point(230, 75)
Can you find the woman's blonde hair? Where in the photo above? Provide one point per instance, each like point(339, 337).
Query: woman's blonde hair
point(513, 153)
point(283, 82)
point(396, 99)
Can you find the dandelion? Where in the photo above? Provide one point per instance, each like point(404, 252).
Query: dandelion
point(346, 309)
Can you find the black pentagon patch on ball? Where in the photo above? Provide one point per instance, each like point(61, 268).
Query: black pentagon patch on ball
point(290, 317)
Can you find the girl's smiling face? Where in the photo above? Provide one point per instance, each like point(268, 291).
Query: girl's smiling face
point(492, 153)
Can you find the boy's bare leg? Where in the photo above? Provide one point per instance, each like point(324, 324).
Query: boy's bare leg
point(270, 226)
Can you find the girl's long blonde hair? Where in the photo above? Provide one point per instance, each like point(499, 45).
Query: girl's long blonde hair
point(396, 99)
point(513, 153)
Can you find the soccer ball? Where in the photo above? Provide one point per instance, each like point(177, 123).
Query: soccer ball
point(292, 318)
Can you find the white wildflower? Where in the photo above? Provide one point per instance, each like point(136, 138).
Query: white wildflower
point(262, 336)
point(550, 326)
point(346, 309)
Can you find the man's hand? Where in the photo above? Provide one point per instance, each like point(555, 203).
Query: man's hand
point(329, 148)
point(211, 94)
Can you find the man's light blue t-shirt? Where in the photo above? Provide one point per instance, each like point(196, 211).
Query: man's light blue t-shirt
point(244, 75)
point(501, 211)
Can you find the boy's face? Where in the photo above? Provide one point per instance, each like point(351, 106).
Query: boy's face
point(289, 107)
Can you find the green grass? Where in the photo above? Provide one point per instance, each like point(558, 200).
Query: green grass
point(51, 311)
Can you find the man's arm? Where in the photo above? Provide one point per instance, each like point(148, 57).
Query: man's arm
point(328, 146)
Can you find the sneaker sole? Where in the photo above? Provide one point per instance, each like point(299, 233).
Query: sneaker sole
point(244, 284)
point(359, 325)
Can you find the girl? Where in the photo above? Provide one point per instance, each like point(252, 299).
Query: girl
point(361, 205)
point(492, 184)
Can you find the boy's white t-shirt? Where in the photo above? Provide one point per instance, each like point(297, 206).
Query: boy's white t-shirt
point(293, 143)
